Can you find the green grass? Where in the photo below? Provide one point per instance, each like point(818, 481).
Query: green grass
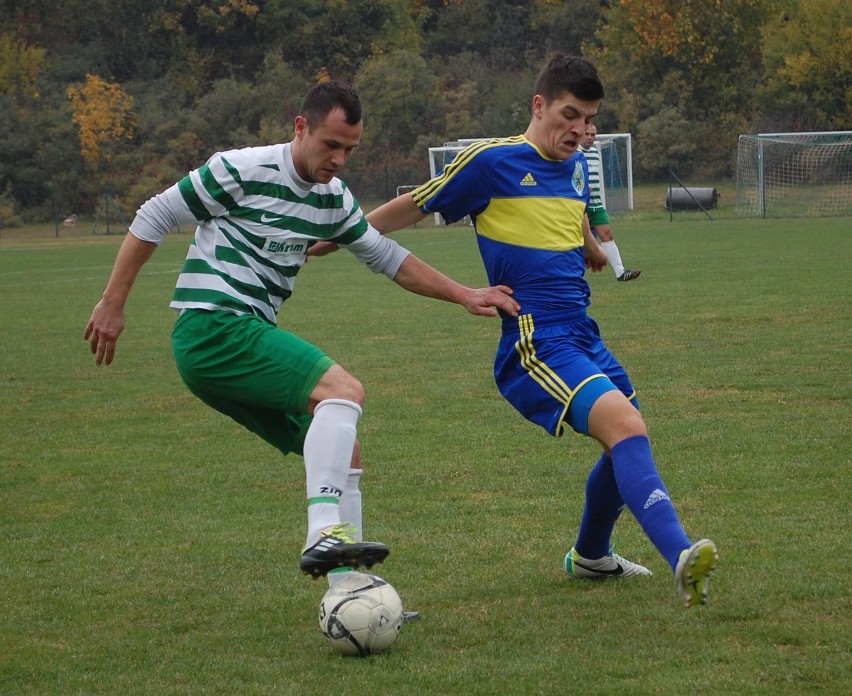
point(149, 545)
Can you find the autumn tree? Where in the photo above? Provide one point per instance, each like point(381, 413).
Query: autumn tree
point(680, 75)
point(104, 116)
point(20, 65)
point(808, 59)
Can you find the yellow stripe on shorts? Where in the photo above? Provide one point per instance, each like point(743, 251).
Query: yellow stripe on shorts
point(539, 371)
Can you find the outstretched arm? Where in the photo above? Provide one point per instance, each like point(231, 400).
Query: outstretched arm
point(381, 254)
point(396, 214)
point(417, 277)
point(107, 320)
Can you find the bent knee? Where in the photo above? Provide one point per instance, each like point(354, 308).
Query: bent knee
point(613, 419)
point(337, 383)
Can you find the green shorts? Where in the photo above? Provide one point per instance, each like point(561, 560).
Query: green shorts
point(597, 216)
point(250, 370)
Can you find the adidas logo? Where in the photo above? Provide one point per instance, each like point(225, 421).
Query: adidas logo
point(656, 497)
point(528, 180)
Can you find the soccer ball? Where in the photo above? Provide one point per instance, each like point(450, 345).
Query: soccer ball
point(361, 615)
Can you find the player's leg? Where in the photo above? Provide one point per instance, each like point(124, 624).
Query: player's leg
point(618, 426)
point(295, 397)
point(592, 555)
point(613, 419)
point(351, 510)
point(540, 374)
point(329, 446)
point(603, 506)
point(603, 231)
point(330, 443)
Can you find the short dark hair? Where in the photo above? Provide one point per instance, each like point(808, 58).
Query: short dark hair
point(563, 73)
point(325, 97)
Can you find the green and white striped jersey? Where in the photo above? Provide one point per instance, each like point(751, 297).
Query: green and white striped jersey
point(256, 219)
point(597, 199)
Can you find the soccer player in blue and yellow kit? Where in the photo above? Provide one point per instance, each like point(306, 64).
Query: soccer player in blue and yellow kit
point(527, 196)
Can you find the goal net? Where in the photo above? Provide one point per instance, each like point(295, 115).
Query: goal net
point(794, 174)
point(616, 150)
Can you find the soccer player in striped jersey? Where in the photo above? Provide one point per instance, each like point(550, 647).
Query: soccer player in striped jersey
point(598, 217)
point(527, 196)
point(257, 212)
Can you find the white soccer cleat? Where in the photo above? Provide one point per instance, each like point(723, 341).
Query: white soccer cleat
point(693, 571)
point(612, 566)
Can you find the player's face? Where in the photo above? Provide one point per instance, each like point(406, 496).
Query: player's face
point(588, 138)
point(561, 124)
point(319, 153)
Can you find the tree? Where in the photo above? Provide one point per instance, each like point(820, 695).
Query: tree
point(697, 61)
point(104, 115)
point(563, 25)
point(20, 66)
point(808, 57)
point(335, 36)
point(206, 40)
point(399, 102)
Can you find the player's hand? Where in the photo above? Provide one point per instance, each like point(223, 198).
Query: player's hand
point(485, 302)
point(596, 259)
point(103, 330)
point(322, 248)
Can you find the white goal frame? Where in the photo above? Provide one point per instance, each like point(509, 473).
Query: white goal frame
point(616, 163)
point(794, 174)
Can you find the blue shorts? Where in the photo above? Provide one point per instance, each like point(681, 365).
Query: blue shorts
point(554, 371)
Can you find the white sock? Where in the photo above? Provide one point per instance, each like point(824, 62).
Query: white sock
point(614, 257)
point(350, 511)
point(328, 453)
point(350, 502)
point(335, 576)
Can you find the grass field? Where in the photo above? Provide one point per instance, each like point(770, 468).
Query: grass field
point(150, 546)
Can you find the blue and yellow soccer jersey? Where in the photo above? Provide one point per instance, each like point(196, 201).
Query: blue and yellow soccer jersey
point(551, 363)
point(528, 212)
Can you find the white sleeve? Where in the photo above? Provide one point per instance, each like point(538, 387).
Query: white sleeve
point(159, 215)
point(381, 254)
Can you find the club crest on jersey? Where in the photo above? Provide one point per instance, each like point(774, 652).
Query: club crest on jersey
point(578, 180)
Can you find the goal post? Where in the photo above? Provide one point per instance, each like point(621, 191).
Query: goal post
point(616, 150)
point(794, 174)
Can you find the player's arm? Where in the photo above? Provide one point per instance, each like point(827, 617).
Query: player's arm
point(596, 259)
point(396, 214)
point(382, 254)
point(418, 277)
point(153, 221)
point(107, 320)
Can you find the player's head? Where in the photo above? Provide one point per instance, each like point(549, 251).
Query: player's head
point(568, 93)
point(323, 98)
point(589, 136)
point(327, 131)
point(563, 73)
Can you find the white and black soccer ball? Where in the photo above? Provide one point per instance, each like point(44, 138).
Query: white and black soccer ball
point(361, 615)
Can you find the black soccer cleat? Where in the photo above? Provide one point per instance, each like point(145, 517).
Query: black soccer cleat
point(629, 275)
point(337, 549)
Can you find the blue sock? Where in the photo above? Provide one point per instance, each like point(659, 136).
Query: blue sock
point(647, 498)
point(603, 507)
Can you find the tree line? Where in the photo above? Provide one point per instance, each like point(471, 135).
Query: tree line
point(127, 96)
